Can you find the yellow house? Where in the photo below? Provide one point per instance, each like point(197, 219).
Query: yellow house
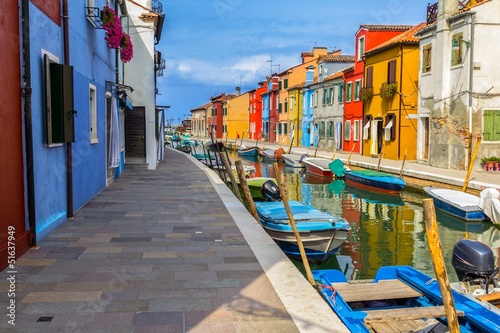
point(291, 78)
point(390, 97)
point(236, 117)
point(295, 112)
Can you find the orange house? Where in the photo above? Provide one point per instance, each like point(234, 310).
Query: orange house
point(367, 37)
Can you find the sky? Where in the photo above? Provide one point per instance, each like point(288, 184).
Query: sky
point(212, 46)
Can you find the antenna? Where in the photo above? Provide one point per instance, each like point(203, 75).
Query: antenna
point(271, 61)
point(240, 77)
point(310, 43)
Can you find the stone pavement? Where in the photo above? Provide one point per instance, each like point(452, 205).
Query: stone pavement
point(168, 250)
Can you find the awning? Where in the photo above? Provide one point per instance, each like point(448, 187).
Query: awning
point(366, 128)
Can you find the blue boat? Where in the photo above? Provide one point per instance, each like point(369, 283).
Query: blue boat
point(375, 181)
point(399, 296)
point(456, 203)
point(248, 151)
point(321, 233)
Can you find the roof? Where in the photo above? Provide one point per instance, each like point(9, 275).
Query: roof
point(202, 107)
point(385, 27)
point(407, 37)
point(348, 69)
point(336, 58)
point(334, 76)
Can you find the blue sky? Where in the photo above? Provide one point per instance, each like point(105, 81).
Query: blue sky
point(213, 46)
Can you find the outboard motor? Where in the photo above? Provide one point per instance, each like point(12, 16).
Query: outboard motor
point(270, 191)
point(474, 263)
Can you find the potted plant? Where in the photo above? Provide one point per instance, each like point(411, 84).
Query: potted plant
point(387, 90)
point(126, 48)
point(112, 25)
point(366, 94)
point(490, 163)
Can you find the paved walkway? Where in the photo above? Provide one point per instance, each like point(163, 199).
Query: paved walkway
point(169, 250)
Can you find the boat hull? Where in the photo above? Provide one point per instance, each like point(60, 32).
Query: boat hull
point(322, 234)
point(250, 152)
point(386, 184)
point(317, 166)
point(456, 203)
point(293, 160)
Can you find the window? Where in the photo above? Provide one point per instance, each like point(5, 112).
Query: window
point(280, 108)
point(347, 132)
point(285, 129)
point(391, 71)
point(426, 62)
point(321, 129)
point(456, 49)
point(93, 114)
point(329, 129)
point(357, 87)
point(361, 47)
point(366, 127)
point(224, 111)
point(491, 125)
point(279, 85)
point(341, 94)
point(390, 128)
point(311, 103)
point(317, 99)
point(349, 92)
point(324, 96)
point(369, 77)
point(60, 112)
point(224, 128)
point(286, 105)
point(356, 130)
point(285, 84)
point(213, 112)
point(330, 95)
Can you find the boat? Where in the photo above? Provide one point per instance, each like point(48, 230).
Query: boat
point(317, 166)
point(388, 199)
point(294, 161)
point(322, 233)
point(255, 186)
point(401, 298)
point(456, 203)
point(375, 181)
point(268, 155)
point(248, 151)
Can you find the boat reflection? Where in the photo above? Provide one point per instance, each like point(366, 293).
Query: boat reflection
point(374, 197)
point(310, 178)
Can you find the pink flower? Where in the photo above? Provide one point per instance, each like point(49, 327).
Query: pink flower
point(127, 49)
point(113, 27)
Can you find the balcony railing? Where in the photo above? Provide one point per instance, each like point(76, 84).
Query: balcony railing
point(94, 16)
point(432, 10)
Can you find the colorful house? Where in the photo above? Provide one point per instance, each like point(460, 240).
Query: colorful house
point(255, 104)
point(459, 84)
point(295, 113)
point(366, 38)
point(390, 97)
point(199, 120)
point(236, 116)
point(290, 78)
point(17, 225)
point(270, 109)
point(215, 120)
point(308, 101)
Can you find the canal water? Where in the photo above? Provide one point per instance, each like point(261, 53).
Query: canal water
point(386, 230)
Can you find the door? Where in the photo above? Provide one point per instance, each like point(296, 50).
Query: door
point(135, 132)
point(377, 137)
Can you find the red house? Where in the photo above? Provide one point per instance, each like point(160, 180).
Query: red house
point(367, 37)
point(274, 94)
point(215, 114)
point(255, 104)
point(14, 236)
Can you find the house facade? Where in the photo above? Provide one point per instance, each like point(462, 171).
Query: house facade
point(255, 104)
point(390, 97)
point(366, 38)
point(308, 100)
point(459, 85)
point(270, 109)
point(199, 114)
point(236, 116)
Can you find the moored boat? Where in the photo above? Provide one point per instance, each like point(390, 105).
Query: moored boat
point(268, 155)
point(397, 297)
point(318, 166)
point(375, 181)
point(248, 151)
point(294, 161)
point(321, 233)
point(456, 203)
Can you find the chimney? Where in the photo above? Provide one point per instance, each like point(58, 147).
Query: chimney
point(310, 75)
point(238, 91)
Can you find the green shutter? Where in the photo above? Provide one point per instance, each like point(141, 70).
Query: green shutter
point(488, 125)
point(496, 125)
point(62, 109)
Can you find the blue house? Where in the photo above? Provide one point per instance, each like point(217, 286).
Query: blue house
point(76, 99)
point(308, 95)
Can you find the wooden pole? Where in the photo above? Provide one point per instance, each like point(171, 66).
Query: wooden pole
point(246, 190)
point(284, 198)
point(403, 165)
point(431, 230)
point(350, 154)
point(235, 143)
point(226, 140)
point(316, 150)
point(471, 164)
point(291, 144)
point(229, 172)
point(380, 155)
point(334, 149)
point(242, 135)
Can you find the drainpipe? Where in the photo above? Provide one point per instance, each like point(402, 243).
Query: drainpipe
point(69, 148)
point(28, 125)
point(471, 77)
point(400, 99)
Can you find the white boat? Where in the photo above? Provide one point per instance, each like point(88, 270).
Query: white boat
point(457, 203)
point(294, 161)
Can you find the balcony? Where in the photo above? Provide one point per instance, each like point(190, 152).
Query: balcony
point(432, 10)
point(157, 7)
point(94, 16)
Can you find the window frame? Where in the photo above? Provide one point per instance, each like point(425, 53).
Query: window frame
point(348, 97)
point(93, 114)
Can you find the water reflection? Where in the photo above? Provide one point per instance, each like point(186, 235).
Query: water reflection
point(386, 229)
